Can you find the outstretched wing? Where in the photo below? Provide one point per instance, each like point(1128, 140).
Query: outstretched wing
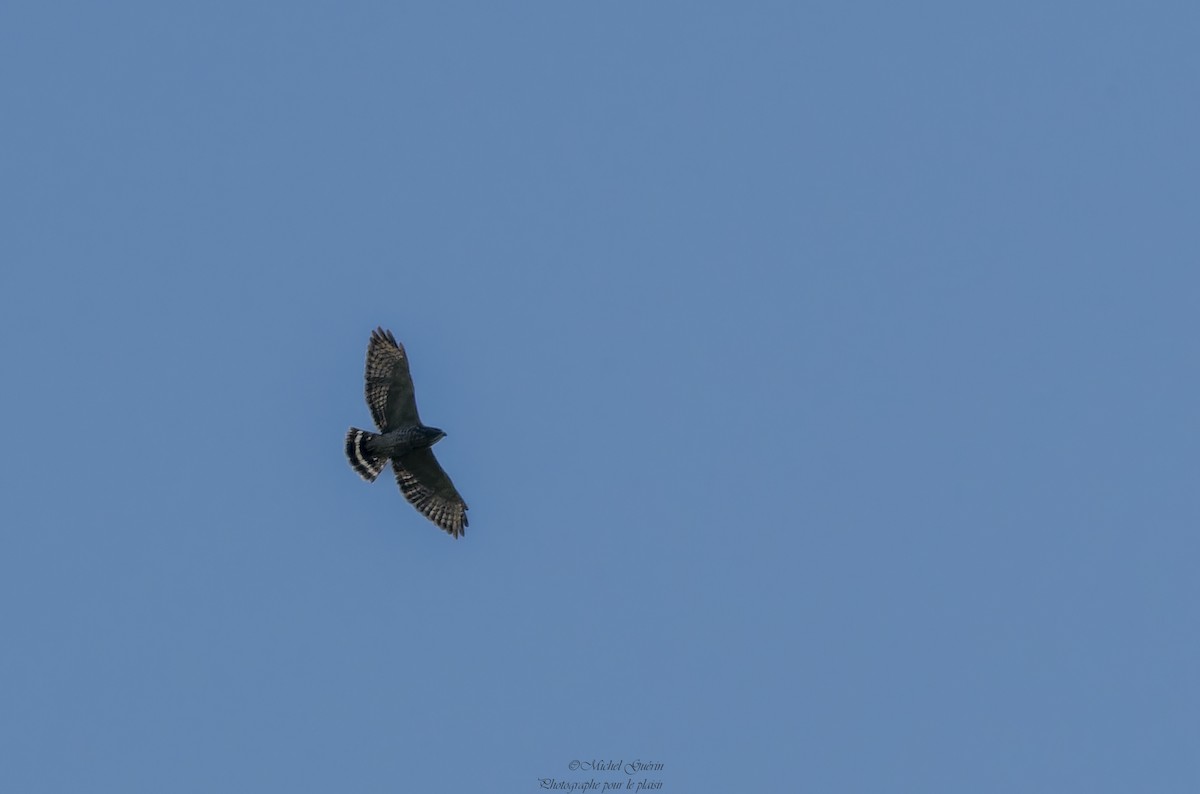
point(389, 385)
point(427, 487)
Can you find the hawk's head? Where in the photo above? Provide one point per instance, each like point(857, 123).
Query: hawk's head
point(432, 435)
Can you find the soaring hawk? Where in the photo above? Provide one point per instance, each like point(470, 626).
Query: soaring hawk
point(402, 438)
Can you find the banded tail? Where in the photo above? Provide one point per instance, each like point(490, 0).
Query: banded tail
point(365, 463)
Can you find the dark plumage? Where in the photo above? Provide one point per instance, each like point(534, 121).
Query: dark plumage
point(402, 438)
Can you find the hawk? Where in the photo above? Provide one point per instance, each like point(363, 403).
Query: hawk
point(402, 438)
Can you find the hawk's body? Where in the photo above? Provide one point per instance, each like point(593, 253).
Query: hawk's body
point(402, 438)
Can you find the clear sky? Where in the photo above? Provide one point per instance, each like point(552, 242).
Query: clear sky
point(822, 378)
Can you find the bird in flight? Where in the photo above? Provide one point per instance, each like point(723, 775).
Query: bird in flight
point(402, 438)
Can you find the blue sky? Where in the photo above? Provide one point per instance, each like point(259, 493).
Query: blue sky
point(821, 376)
